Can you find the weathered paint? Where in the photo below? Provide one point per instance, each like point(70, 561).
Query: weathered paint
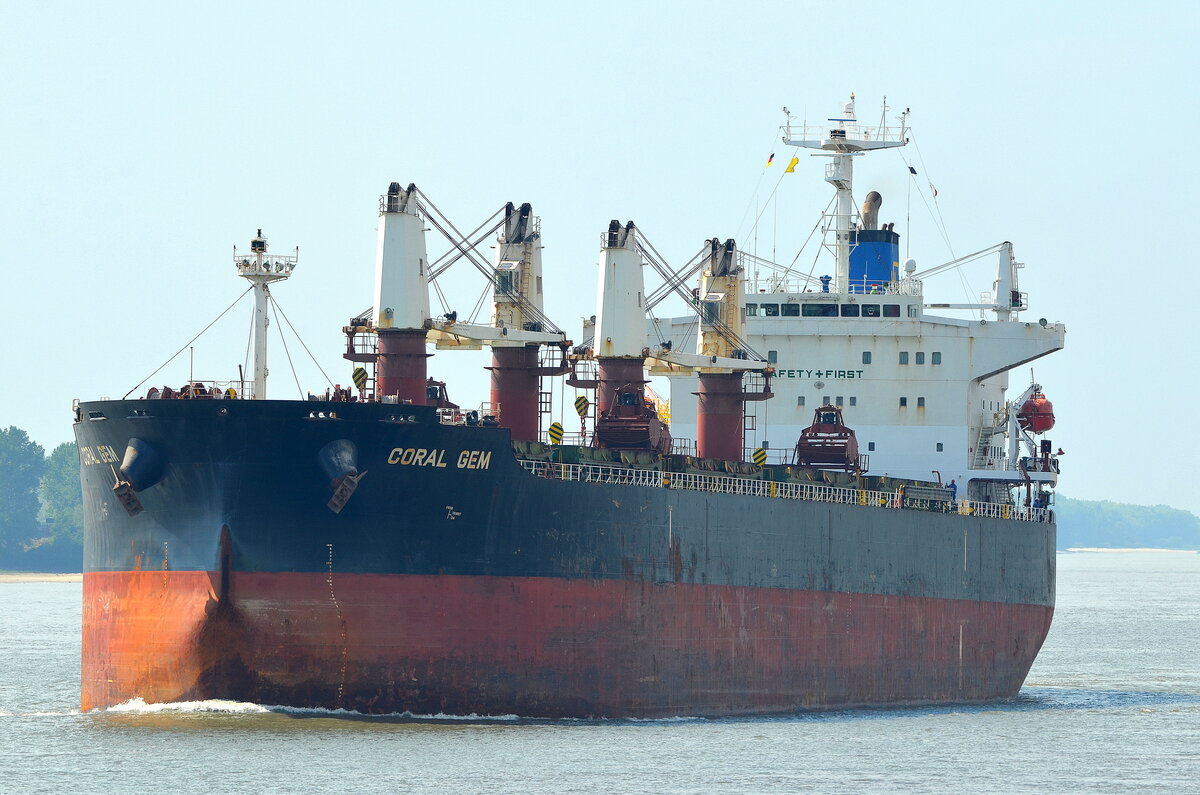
point(541, 646)
point(498, 591)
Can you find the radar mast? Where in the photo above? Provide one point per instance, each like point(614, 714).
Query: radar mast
point(843, 139)
point(261, 270)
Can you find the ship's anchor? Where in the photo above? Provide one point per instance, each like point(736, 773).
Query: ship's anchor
point(339, 459)
point(126, 495)
point(344, 490)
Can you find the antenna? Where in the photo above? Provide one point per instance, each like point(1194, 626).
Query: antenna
point(843, 139)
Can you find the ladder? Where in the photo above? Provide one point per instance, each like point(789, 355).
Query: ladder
point(982, 445)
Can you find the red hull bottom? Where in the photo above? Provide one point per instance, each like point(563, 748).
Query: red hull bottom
point(540, 647)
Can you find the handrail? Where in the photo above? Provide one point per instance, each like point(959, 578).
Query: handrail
point(752, 487)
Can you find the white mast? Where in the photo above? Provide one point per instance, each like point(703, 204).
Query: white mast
point(846, 139)
point(260, 271)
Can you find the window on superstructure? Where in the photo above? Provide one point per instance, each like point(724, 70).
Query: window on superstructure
point(773, 356)
point(840, 401)
point(800, 400)
point(770, 310)
point(939, 447)
point(825, 401)
point(920, 357)
point(506, 281)
point(914, 310)
point(866, 357)
point(853, 400)
point(751, 310)
point(870, 310)
point(711, 311)
point(903, 357)
point(935, 357)
point(849, 310)
point(920, 402)
point(903, 402)
point(790, 310)
point(819, 310)
point(891, 310)
point(870, 447)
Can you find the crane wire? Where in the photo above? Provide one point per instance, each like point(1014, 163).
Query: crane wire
point(283, 339)
point(458, 241)
point(249, 339)
point(189, 342)
point(300, 339)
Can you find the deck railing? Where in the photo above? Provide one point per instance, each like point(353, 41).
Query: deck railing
point(753, 487)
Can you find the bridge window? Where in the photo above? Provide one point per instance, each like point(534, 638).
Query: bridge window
point(903, 357)
point(891, 310)
point(920, 357)
point(870, 310)
point(790, 310)
point(866, 357)
point(936, 357)
point(849, 310)
point(770, 310)
point(751, 310)
point(819, 310)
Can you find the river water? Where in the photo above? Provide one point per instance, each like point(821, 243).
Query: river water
point(1112, 704)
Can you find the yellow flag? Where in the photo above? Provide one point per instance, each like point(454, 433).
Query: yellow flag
point(791, 169)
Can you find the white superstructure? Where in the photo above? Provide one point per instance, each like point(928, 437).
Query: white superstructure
point(924, 393)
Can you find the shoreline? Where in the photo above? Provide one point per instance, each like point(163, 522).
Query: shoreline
point(1127, 549)
point(38, 576)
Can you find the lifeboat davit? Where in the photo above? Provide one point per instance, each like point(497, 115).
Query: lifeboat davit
point(1036, 414)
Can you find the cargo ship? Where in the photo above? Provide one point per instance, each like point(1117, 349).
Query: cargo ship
point(378, 548)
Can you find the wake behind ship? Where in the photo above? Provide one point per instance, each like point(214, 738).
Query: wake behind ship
point(380, 549)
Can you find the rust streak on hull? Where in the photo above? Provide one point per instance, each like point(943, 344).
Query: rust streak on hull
point(540, 646)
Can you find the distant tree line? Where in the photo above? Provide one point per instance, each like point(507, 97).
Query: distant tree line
point(41, 505)
point(1118, 525)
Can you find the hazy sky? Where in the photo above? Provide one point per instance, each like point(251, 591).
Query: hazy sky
point(142, 140)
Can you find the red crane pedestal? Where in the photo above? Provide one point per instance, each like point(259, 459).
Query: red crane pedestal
point(720, 424)
point(401, 365)
point(614, 374)
point(515, 387)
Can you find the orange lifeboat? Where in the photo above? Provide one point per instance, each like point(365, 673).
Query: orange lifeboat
point(828, 443)
point(1037, 414)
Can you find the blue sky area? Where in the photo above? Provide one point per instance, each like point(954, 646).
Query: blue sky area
point(143, 140)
